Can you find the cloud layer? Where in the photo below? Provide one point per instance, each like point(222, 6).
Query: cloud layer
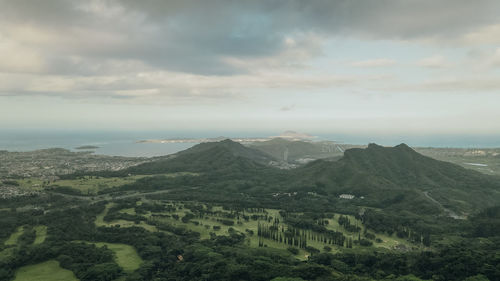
point(207, 52)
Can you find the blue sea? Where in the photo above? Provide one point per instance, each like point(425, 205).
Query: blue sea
point(113, 143)
point(124, 143)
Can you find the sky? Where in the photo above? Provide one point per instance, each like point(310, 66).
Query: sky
point(336, 66)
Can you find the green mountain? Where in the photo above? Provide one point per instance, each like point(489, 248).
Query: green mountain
point(402, 178)
point(234, 148)
point(220, 156)
point(390, 178)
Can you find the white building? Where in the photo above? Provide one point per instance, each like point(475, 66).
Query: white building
point(346, 196)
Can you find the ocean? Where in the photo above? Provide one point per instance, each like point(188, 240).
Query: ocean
point(124, 143)
point(113, 143)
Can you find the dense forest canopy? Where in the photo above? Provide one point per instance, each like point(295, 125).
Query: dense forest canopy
point(218, 211)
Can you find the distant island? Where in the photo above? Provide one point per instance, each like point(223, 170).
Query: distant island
point(86, 147)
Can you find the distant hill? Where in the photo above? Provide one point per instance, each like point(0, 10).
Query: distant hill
point(235, 148)
point(207, 157)
point(87, 147)
point(297, 151)
point(398, 176)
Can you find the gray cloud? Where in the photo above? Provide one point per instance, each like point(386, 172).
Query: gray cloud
point(199, 36)
point(194, 53)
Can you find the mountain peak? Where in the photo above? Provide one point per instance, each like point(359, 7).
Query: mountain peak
point(229, 147)
point(400, 147)
point(376, 154)
point(228, 141)
point(403, 146)
point(374, 146)
point(208, 156)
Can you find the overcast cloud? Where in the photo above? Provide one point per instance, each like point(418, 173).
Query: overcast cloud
point(283, 58)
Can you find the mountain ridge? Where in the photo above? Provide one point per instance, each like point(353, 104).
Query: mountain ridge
point(396, 178)
point(378, 172)
point(207, 157)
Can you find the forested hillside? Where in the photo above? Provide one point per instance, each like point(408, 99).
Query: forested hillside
point(217, 211)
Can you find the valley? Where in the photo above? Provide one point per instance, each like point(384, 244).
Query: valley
point(339, 216)
point(209, 220)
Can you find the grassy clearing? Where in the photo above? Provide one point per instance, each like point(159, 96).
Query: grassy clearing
point(85, 185)
point(205, 226)
point(46, 271)
point(41, 234)
point(130, 211)
point(31, 184)
point(388, 242)
point(89, 184)
point(99, 221)
point(126, 255)
point(14, 236)
point(92, 185)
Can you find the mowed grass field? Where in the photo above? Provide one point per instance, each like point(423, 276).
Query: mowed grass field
point(388, 241)
point(99, 221)
point(41, 234)
point(253, 240)
point(85, 185)
point(89, 184)
point(126, 255)
point(205, 226)
point(46, 271)
point(14, 237)
point(12, 241)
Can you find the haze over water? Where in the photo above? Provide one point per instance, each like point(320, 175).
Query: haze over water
point(124, 143)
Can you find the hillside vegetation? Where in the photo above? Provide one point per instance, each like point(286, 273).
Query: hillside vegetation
point(221, 211)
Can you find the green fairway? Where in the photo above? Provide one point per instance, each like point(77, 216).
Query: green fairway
point(14, 236)
point(205, 226)
point(126, 255)
point(213, 222)
point(99, 221)
point(41, 234)
point(130, 211)
point(46, 271)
